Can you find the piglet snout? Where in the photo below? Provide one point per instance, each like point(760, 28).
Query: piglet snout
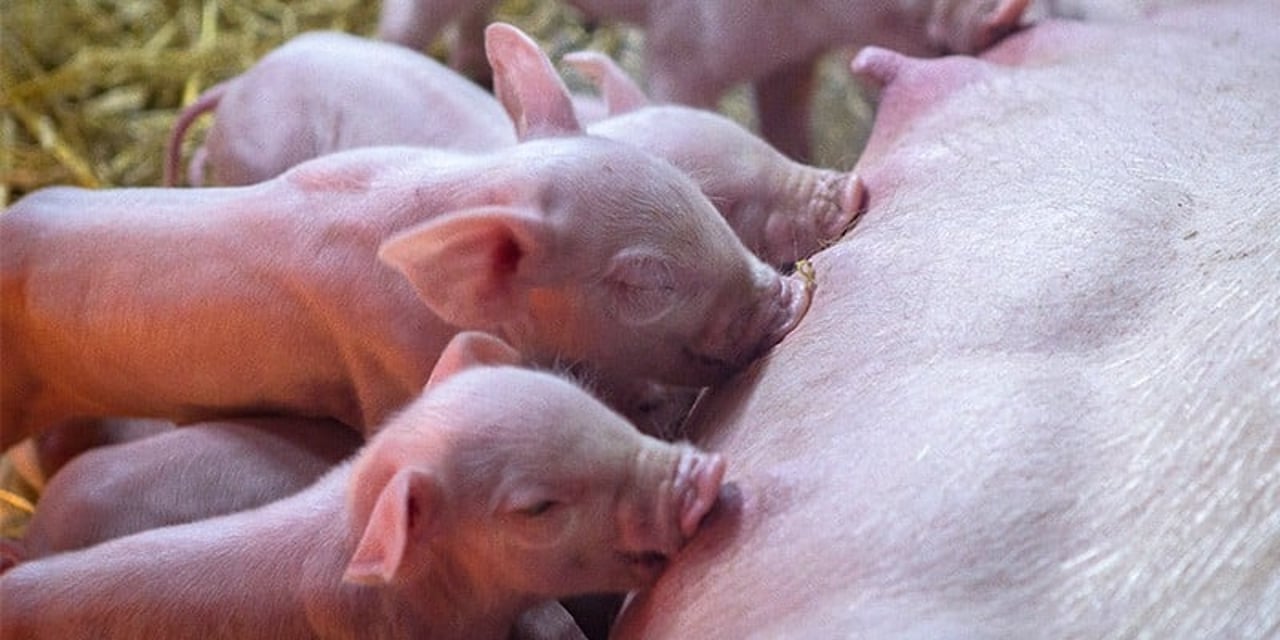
point(697, 484)
point(657, 524)
point(852, 199)
point(792, 295)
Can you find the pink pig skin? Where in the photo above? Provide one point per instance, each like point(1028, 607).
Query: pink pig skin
point(559, 245)
point(1077, 434)
point(182, 475)
point(325, 91)
point(781, 209)
point(38, 459)
point(466, 509)
point(696, 50)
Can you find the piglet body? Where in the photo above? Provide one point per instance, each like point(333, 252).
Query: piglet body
point(468, 508)
point(181, 475)
point(192, 304)
point(326, 91)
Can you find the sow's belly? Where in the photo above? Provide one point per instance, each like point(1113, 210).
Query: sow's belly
point(1038, 391)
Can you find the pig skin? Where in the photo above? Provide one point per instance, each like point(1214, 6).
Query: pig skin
point(326, 91)
point(1038, 393)
point(181, 475)
point(467, 509)
point(696, 50)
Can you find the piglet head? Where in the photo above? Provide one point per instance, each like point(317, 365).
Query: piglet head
point(782, 210)
point(659, 285)
point(615, 259)
point(596, 251)
point(506, 481)
point(584, 503)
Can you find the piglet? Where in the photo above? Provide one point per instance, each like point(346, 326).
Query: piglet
point(326, 91)
point(181, 475)
point(781, 209)
point(196, 304)
point(468, 508)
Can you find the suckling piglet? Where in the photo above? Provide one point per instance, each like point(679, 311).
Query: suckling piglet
point(181, 475)
point(196, 304)
point(498, 489)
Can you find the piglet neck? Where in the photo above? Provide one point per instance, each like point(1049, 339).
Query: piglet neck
point(441, 601)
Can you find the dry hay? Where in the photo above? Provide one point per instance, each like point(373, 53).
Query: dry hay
point(90, 88)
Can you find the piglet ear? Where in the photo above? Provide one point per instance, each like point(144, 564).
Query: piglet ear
point(473, 267)
point(406, 512)
point(527, 85)
point(472, 349)
point(621, 94)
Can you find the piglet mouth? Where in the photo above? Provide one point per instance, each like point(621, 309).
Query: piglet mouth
point(644, 566)
point(645, 559)
point(722, 368)
point(781, 304)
